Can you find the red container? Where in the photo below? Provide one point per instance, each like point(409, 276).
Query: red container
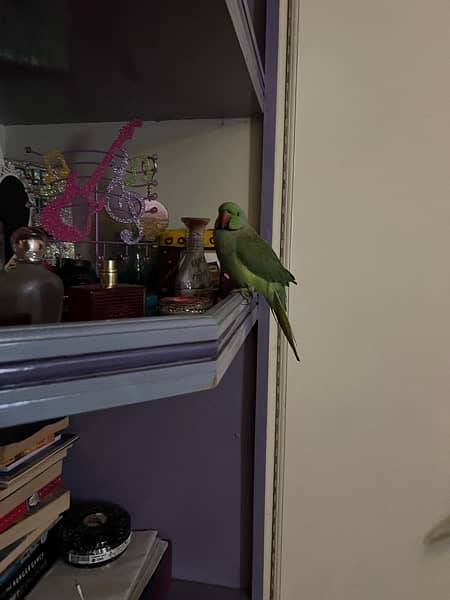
point(95, 303)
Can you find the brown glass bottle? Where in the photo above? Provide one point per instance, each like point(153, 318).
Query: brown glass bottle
point(30, 292)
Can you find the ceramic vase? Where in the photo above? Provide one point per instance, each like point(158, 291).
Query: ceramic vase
point(193, 278)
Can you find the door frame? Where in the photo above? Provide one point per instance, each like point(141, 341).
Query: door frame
point(287, 74)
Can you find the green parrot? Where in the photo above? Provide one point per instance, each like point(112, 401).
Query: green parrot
point(252, 264)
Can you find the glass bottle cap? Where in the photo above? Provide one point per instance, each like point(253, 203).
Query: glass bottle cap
point(29, 244)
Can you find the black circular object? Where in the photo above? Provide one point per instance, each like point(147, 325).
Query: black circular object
point(94, 533)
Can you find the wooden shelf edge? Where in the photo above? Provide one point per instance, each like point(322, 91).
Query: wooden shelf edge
point(48, 387)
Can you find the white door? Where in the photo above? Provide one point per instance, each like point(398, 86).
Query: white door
point(366, 470)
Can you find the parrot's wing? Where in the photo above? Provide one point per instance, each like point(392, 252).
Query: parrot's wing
point(260, 259)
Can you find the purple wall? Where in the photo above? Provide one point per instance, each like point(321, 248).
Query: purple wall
point(183, 466)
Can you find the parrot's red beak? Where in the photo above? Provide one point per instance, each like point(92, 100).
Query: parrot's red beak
point(224, 219)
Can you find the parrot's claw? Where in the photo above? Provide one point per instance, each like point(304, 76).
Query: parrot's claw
point(246, 294)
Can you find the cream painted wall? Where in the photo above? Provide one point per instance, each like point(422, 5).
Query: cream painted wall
point(202, 163)
point(367, 441)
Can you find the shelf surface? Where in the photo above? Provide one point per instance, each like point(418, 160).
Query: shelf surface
point(186, 590)
point(66, 369)
point(156, 61)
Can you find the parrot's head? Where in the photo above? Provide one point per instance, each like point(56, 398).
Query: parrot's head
point(230, 216)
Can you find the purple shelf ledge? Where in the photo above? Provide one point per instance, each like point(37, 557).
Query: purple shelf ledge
point(64, 369)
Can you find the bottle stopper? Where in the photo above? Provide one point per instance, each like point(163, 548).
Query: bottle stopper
point(29, 244)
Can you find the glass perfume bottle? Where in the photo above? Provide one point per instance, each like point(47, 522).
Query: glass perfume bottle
point(30, 292)
point(193, 278)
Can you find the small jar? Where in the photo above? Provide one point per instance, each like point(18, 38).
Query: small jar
point(109, 274)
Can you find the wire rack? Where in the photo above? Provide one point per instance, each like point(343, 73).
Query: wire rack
point(83, 162)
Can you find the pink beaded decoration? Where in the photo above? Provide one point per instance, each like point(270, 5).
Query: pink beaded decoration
point(50, 217)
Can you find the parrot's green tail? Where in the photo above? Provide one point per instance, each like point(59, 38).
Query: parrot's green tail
point(282, 318)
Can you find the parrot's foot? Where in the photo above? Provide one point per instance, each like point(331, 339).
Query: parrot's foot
point(246, 294)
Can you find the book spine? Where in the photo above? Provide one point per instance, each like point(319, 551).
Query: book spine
point(31, 572)
point(7, 574)
point(20, 511)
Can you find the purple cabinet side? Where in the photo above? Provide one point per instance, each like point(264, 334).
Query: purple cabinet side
point(181, 465)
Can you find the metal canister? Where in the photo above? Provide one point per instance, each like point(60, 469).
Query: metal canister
point(108, 273)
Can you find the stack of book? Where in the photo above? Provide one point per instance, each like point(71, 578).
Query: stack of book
point(143, 571)
point(32, 500)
